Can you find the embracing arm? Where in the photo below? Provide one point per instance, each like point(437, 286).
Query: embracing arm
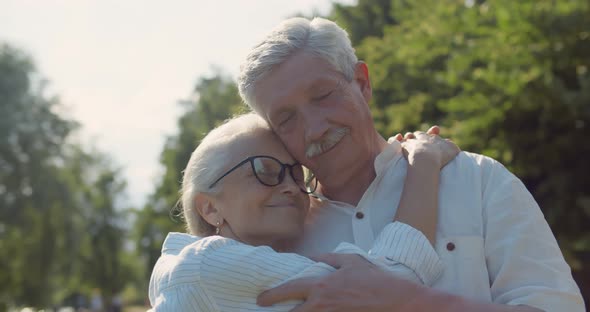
point(219, 273)
point(426, 154)
point(234, 268)
point(356, 286)
point(419, 200)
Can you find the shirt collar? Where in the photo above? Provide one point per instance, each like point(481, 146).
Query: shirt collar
point(392, 151)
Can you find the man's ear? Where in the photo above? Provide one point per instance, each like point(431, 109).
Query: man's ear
point(205, 206)
point(361, 76)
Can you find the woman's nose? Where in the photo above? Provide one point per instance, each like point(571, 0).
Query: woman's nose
point(289, 185)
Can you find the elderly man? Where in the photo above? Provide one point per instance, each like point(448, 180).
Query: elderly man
point(499, 253)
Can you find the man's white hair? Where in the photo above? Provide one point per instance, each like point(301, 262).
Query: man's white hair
point(210, 160)
point(318, 36)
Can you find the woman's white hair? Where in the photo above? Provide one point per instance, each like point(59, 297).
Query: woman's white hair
point(318, 36)
point(210, 160)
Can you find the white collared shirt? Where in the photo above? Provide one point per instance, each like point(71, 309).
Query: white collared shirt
point(220, 274)
point(492, 237)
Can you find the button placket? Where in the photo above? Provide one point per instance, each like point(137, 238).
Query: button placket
point(450, 246)
point(362, 230)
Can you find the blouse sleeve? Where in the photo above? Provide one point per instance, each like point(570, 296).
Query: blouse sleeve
point(236, 273)
point(407, 253)
point(187, 297)
point(221, 274)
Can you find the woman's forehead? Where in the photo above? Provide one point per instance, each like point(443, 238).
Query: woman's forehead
point(262, 143)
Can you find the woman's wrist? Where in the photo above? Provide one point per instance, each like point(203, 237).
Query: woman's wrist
point(423, 158)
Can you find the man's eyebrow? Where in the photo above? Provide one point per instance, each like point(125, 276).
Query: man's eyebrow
point(323, 83)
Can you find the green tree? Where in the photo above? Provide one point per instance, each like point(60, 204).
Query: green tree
point(214, 100)
point(104, 267)
point(34, 199)
point(60, 209)
point(365, 19)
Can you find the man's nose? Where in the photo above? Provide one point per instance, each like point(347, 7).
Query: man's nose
point(316, 126)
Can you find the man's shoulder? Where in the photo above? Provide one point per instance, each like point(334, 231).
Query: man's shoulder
point(471, 161)
point(467, 160)
point(474, 159)
point(472, 166)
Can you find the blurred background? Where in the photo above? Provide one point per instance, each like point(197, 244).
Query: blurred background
point(102, 102)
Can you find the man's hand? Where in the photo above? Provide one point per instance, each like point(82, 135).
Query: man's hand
point(357, 285)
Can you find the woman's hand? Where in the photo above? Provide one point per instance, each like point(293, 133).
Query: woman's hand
point(428, 146)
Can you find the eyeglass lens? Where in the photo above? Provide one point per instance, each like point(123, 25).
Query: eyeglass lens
point(271, 172)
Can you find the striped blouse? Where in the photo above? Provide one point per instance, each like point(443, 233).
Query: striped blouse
point(220, 274)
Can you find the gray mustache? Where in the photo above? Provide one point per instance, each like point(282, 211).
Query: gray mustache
point(327, 142)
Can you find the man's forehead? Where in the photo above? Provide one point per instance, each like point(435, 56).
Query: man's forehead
point(302, 69)
point(280, 88)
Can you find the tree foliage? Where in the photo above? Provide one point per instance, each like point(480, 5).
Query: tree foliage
point(58, 209)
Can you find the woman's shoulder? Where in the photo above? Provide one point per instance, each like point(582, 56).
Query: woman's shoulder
point(211, 245)
point(181, 249)
point(182, 253)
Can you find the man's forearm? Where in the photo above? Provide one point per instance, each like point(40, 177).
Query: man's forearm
point(434, 300)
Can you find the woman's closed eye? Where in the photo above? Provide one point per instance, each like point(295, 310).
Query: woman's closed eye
point(267, 173)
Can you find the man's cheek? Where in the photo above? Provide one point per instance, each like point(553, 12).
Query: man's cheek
point(294, 146)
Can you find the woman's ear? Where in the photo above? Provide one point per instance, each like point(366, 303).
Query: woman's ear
point(205, 206)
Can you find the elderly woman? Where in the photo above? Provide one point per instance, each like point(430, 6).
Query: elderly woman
point(245, 201)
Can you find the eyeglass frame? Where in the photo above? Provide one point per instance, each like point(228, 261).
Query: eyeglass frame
point(281, 176)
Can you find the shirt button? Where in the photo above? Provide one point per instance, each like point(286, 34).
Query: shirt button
point(359, 215)
point(450, 246)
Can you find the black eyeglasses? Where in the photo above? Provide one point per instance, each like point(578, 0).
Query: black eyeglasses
point(271, 172)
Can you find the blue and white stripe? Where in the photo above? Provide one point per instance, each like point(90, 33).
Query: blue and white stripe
point(220, 274)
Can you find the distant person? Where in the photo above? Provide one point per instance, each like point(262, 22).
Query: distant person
point(96, 303)
point(116, 303)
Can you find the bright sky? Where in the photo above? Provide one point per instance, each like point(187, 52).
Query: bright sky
point(121, 66)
